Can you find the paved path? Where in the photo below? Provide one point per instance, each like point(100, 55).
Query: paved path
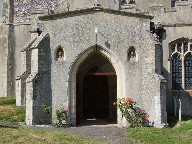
point(106, 134)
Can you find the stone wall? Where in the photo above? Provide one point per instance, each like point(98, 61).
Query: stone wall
point(24, 8)
point(174, 15)
point(143, 5)
point(172, 33)
point(38, 83)
point(178, 24)
point(22, 37)
point(185, 99)
point(1, 7)
point(4, 11)
point(3, 67)
point(74, 31)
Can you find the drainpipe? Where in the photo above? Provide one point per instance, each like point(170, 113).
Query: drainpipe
point(179, 109)
point(175, 106)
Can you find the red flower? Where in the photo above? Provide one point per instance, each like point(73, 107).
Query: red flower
point(67, 110)
point(114, 103)
point(130, 99)
point(147, 117)
point(128, 102)
point(142, 110)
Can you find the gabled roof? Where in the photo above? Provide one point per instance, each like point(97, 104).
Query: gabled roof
point(92, 10)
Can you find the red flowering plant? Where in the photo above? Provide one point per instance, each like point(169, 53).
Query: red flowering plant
point(62, 115)
point(135, 116)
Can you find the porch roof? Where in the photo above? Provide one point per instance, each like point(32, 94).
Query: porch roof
point(92, 10)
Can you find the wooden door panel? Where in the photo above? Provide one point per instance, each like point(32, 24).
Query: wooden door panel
point(96, 97)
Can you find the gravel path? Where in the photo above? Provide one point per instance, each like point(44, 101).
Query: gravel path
point(108, 135)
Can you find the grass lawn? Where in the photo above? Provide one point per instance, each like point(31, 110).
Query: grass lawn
point(181, 133)
point(9, 113)
point(32, 136)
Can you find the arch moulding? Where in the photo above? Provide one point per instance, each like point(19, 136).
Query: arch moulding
point(112, 58)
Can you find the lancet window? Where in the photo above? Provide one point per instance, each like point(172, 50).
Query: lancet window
point(181, 64)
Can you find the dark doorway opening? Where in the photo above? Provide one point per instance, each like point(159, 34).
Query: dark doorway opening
point(96, 90)
point(95, 97)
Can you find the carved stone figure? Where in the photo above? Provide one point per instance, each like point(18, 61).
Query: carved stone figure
point(60, 54)
point(133, 54)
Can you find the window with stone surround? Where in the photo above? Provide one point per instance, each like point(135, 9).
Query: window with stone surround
point(181, 64)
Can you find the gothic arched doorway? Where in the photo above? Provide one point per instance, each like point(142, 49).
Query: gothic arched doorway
point(96, 90)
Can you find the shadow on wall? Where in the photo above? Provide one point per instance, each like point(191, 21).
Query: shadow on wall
point(173, 96)
point(179, 92)
point(42, 84)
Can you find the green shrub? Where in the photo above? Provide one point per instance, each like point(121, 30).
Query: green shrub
point(135, 116)
point(47, 109)
point(62, 115)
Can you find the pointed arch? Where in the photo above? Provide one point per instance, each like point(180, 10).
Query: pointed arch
point(181, 59)
point(188, 70)
point(112, 58)
point(176, 72)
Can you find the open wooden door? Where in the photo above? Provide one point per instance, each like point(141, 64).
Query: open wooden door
point(95, 97)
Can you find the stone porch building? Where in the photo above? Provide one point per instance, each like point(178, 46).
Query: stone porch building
point(84, 55)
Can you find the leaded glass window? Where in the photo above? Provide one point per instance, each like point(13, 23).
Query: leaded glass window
point(179, 45)
point(185, 47)
point(181, 64)
point(173, 48)
point(176, 72)
point(188, 71)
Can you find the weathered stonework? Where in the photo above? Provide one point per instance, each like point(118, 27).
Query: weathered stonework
point(5, 12)
point(64, 90)
point(24, 8)
point(32, 72)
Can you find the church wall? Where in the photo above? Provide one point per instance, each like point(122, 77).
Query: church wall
point(177, 23)
point(153, 92)
point(75, 33)
point(173, 33)
point(38, 83)
point(42, 83)
point(1, 15)
point(81, 4)
point(3, 67)
point(144, 4)
point(22, 38)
